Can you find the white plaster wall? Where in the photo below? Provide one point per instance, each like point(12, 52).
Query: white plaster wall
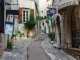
point(27, 4)
point(43, 6)
point(22, 29)
point(14, 7)
point(42, 27)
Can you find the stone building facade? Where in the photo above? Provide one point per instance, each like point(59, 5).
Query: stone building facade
point(2, 41)
point(25, 9)
point(68, 25)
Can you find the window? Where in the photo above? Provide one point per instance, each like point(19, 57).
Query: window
point(26, 15)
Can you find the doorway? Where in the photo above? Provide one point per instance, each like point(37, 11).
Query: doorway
point(75, 27)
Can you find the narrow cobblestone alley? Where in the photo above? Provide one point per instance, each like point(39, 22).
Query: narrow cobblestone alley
point(38, 48)
point(36, 52)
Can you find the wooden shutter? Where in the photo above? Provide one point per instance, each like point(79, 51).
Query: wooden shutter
point(20, 15)
point(32, 12)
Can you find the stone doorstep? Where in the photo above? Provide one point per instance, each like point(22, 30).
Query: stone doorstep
point(69, 56)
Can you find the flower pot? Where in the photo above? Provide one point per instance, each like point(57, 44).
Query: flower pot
point(5, 49)
point(30, 34)
point(14, 38)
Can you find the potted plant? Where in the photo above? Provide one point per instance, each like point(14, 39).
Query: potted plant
point(51, 35)
point(19, 33)
point(9, 45)
point(30, 25)
point(13, 36)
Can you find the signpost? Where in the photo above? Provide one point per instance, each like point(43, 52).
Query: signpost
point(50, 12)
point(9, 27)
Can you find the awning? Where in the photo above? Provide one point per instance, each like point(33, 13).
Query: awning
point(66, 3)
point(14, 12)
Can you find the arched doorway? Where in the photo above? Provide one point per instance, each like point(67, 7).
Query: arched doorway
point(75, 27)
point(58, 31)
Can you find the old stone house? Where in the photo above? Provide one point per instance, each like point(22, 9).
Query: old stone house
point(67, 25)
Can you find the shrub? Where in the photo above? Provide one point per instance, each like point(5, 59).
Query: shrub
point(13, 35)
point(9, 44)
point(51, 36)
point(20, 33)
point(30, 23)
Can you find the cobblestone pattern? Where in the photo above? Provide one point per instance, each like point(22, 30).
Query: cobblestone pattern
point(54, 53)
point(19, 51)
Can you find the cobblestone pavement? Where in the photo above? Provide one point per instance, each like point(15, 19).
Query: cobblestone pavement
point(36, 52)
point(54, 53)
point(19, 51)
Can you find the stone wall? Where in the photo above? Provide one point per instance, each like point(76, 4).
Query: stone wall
point(1, 44)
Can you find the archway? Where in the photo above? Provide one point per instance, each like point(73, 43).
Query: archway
point(58, 31)
point(75, 27)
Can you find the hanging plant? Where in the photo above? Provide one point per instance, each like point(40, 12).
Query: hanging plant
point(31, 23)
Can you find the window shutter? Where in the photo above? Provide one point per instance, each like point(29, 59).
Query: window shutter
point(20, 15)
point(32, 12)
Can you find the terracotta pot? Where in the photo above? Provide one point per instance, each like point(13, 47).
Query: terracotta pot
point(8, 47)
point(5, 49)
point(30, 34)
point(14, 38)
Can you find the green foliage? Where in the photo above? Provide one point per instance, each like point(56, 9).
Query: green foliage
point(51, 35)
point(9, 44)
point(31, 23)
point(13, 35)
point(53, 24)
point(20, 33)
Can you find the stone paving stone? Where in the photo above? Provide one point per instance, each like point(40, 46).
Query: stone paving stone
point(55, 52)
point(19, 51)
point(35, 51)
